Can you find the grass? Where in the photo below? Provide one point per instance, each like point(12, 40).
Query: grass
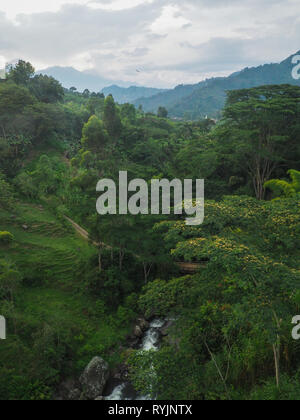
point(45, 249)
point(56, 264)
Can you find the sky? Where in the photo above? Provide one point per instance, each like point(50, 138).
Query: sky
point(159, 43)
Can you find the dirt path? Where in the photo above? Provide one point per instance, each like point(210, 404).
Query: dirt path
point(84, 234)
point(185, 267)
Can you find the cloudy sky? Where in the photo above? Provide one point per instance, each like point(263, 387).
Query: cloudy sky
point(167, 41)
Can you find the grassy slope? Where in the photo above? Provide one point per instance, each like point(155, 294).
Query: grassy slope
point(55, 263)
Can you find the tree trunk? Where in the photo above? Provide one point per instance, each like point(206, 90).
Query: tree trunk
point(100, 258)
point(147, 271)
point(121, 258)
point(276, 350)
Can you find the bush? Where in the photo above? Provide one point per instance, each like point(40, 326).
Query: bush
point(6, 238)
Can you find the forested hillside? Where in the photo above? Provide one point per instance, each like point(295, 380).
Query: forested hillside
point(208, 98)
point(67, 299)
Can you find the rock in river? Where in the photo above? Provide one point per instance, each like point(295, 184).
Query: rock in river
point(94, 378)
point(138, 331)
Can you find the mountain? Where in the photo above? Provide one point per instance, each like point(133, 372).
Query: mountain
point(131, 94)
point(69, 77)
point(207, 98)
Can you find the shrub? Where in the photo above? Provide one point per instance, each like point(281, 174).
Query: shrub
point(6, 238)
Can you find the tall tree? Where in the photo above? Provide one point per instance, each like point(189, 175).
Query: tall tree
point(46, 89)
point(162, 112)
point(259, 131)
point(94, 135)
point(111, 118)
point(21, 73)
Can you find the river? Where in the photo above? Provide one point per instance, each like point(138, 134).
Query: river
point(150, 341)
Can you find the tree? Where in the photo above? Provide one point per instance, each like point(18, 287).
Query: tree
point(94, 135)
point(10, 280)
point(46, 89)
point(6, 238)
point(284, 188)
point(13, 100)
point(86, 93)
point(162, 112)
point(95, 106)
point(6, 194)
point(111, 118)
point(128, 112)
point(21, 73)
point(258, 125)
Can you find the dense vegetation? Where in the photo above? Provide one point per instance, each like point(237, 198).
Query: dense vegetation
point(67, 300)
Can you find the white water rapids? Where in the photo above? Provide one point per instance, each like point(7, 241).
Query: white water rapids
point(150, 341)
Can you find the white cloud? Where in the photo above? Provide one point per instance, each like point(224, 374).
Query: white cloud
point(116, 4)
point(14, 7)
point(170, 41)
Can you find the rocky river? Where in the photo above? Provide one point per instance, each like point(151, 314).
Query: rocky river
point(150, 341)
point(97, 382)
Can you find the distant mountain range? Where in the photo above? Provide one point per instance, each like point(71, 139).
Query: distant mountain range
point(206, 98)
point(70, 77)
point(131, 94)
point(122, 91)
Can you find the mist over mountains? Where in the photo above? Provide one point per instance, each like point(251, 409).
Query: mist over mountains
point(70, 77)
point(131, 94)
point(206, 98)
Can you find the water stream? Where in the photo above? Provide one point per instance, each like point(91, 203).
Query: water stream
point(151, 341)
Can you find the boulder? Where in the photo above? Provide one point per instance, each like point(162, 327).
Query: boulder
point(74, 395)
point(100, 399)
point(165, 329)
point(138, 332)
point(94, 378)
point(143, 324)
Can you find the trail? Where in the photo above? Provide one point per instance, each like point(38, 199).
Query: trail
point(85, 235)
point(185, 267)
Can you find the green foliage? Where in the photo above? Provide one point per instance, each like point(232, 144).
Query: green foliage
point(234, 310)
point(111, 118)
point(21, 73)
point(6, 238)
point(51, 316)
point(284, 188)
point(94, 136)
point(46, 89)
point(162, 112)
point(6, 194)
point(258, 125)
point(288, 391)
point(68, 297)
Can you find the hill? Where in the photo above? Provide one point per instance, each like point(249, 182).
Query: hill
point(131, 94)
point(208, 98)
point(53, 318)
point(69, 77)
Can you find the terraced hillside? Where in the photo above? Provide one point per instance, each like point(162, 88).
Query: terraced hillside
point(58, 254)
point(55, 325)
